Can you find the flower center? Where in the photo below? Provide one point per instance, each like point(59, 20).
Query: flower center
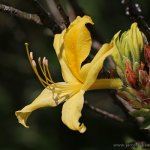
point(61, 91)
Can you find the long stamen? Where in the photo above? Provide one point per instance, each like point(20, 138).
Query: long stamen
point(33, 65)
point(37, 74)
point(44, 71)
point(47, 69)
point(48, 82)
point(58, 90)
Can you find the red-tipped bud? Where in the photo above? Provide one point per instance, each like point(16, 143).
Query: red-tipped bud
point(130, 75)
point(147, 54)
point(143, 77)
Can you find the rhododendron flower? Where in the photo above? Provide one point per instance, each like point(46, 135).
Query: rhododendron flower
point(72, 47)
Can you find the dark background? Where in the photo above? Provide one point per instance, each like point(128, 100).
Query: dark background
point(19, 86)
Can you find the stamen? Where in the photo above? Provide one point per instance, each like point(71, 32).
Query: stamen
point(58, 90)
point(39, 59)
point(37, 74)
point(31, 55)
point(43, 69)
point(48, 71)
point(33, 63)
point(44, 59)
point(46, 62)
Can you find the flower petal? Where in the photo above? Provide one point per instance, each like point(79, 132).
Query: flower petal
point(59, 48)
point(77, 44)
point(45, 99)
point(96, 65)
point(107, 84)
point(71, 112)
point(85, 68)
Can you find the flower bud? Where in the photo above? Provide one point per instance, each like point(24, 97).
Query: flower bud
point(130, 75)
point(134, 70)
point(147, 54)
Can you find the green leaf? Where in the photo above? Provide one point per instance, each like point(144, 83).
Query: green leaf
point(141, 113)
point(146, 124)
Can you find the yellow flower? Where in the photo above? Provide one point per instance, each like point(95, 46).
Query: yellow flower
point(72, 47)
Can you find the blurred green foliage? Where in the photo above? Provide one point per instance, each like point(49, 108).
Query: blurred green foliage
point(19, 86)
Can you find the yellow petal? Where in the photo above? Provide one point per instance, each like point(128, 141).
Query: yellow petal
point(77, 44)
point(71, 112)
point(59, 48)
point(96, 65)
point(45, 99)
point(85, 68)
point(107, 84)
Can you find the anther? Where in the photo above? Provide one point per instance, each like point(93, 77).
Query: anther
point(39, 59)
point(44, 60)
point(31, 55)
point(33, 63)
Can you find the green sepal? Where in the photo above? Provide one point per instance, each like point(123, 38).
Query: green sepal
point(141, 113)
point(146, 124)
point(136, 67)
point(120, 73)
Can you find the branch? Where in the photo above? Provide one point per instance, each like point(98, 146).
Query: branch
point(58, 13)
point(46, 18)
point(20, 14)
point(62, 13)
point(125, 104)
point(41, 18)
point(134, 11)
point(127, 110)
point(104, 113)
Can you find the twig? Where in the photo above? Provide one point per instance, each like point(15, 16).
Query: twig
point(41, 18)
point(134, 11)
point(58, 13)
point(20, 14)
point(46, 18)
point(62, 13)
point(125, 104)
point(128, 109)
point(104, 113)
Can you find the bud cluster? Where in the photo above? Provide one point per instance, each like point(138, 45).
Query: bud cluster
point(132, 58)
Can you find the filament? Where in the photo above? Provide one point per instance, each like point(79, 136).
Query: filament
point(60, 92)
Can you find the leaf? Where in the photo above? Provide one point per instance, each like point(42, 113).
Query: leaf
point(141, 113)
point(146, 124)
